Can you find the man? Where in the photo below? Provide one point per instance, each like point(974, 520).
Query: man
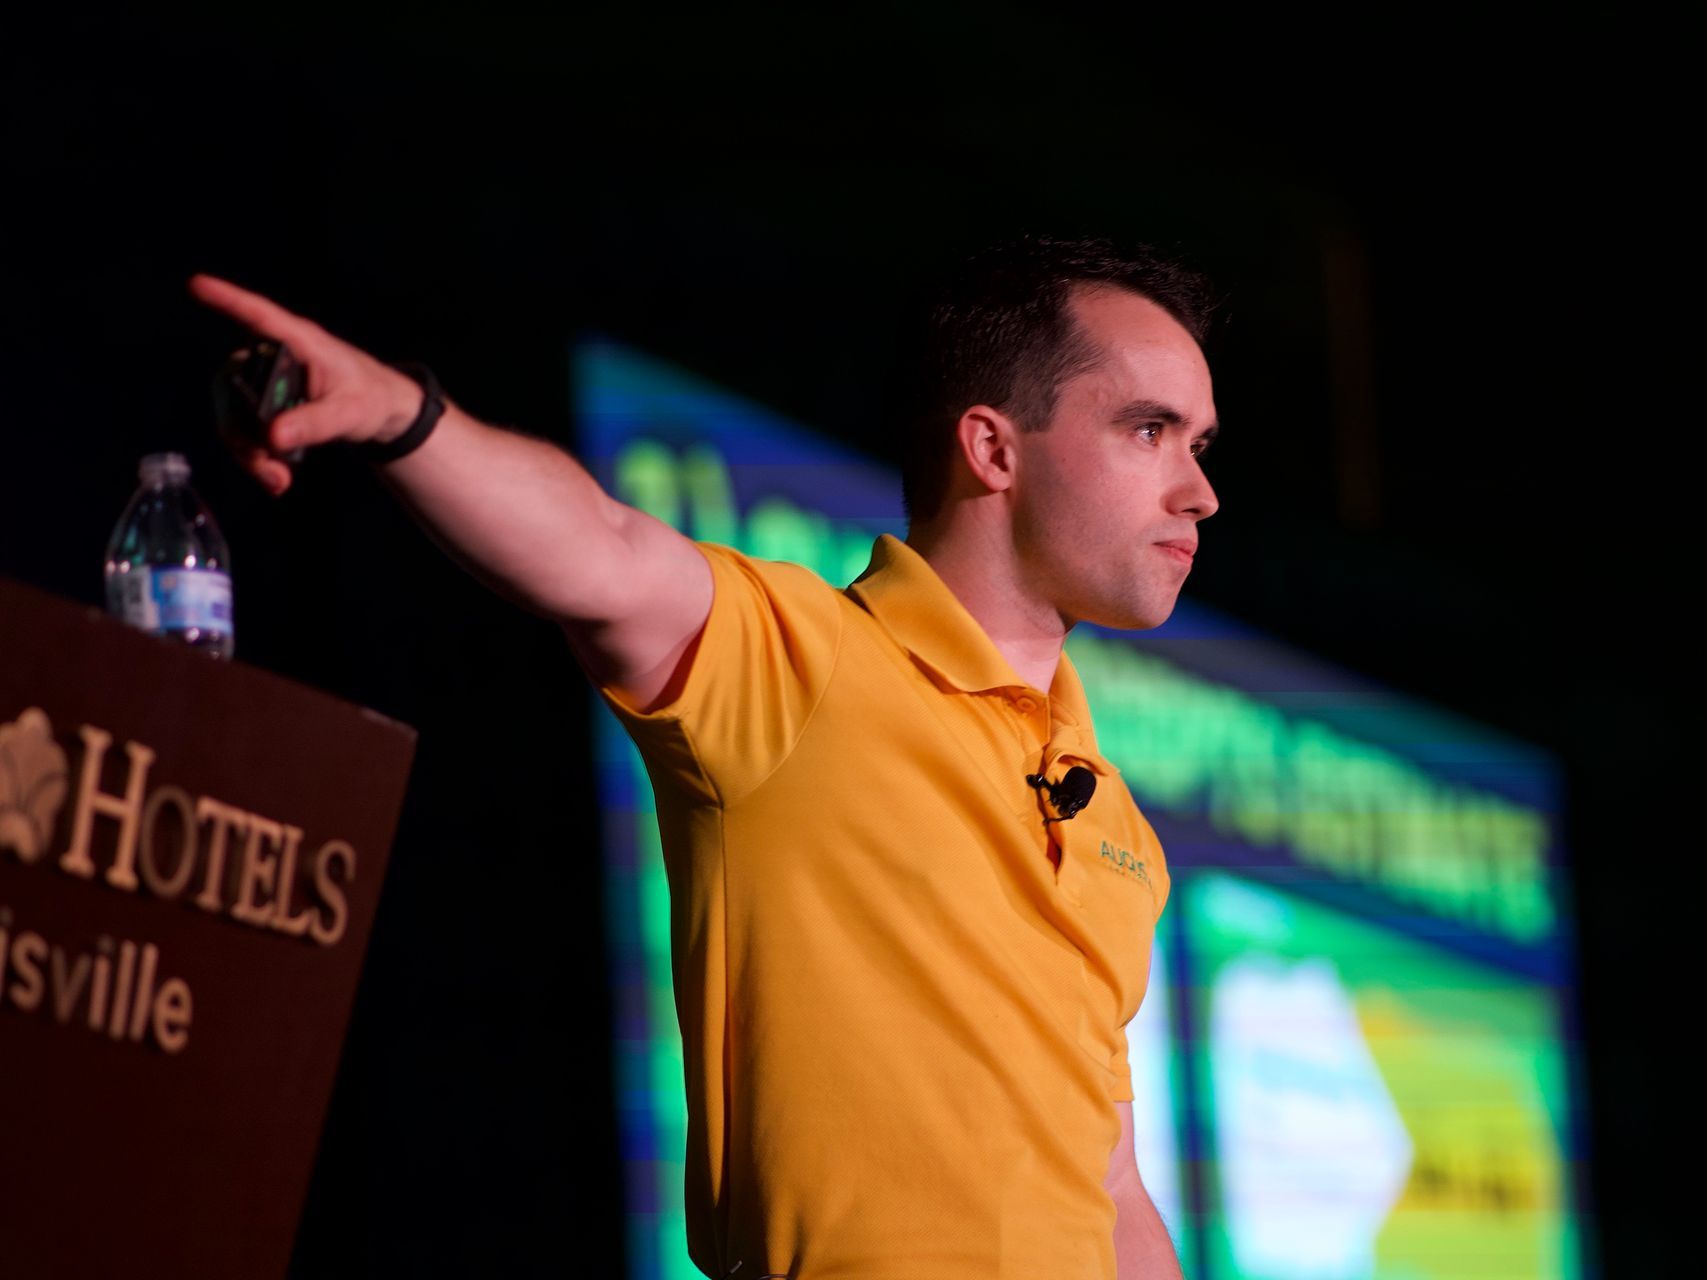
point(905, 946)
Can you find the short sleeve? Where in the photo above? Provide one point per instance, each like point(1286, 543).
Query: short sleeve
point(763, 660)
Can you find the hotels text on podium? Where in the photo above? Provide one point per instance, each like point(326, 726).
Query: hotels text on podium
point(191, 852)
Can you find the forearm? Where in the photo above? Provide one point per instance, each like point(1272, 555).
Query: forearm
point(518, 513)
point(1142, 1248)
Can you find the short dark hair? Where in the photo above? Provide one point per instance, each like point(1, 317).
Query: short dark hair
point(999, 331)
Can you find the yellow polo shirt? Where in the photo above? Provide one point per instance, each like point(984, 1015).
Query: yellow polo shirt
point(903, 1022)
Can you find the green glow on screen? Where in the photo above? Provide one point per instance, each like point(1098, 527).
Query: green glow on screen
point(1378, 1108)
point(657, 1240)
point(1446, 1076)
point(692, 493)
point(1344, 806)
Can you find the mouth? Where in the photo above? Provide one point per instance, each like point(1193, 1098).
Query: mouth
point(1180, 549)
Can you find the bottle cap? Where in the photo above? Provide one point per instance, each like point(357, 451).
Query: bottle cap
point(163, 468)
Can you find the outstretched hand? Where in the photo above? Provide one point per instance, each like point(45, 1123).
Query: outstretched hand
point(351, 395)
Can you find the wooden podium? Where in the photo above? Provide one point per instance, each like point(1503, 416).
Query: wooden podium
point(191, 852)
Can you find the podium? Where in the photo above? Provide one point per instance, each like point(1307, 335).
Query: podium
point(191, 852)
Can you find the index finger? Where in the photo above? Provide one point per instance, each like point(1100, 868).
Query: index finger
point(260, 314)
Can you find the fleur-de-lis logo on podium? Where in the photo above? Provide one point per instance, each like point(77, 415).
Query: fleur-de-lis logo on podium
point(32, 784)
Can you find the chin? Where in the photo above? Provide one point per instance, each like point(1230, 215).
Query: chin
point(1150, 621)
point(1142, 618)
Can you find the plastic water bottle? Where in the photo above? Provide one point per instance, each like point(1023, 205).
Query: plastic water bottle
point(168, 570)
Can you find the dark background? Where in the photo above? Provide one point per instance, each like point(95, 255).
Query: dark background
point(1446, 461)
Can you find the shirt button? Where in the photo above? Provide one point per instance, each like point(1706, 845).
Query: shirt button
point(1025, 705)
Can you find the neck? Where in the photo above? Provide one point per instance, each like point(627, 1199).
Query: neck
point(982, 570)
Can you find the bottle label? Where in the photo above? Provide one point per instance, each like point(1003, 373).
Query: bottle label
point(171, 599)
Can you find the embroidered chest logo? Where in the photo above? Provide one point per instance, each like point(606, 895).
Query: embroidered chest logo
point(1125, 862)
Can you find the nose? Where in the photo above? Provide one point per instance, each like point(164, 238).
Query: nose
point(1194, 496)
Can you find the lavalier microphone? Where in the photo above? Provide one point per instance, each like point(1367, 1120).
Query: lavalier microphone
point(1070, 794)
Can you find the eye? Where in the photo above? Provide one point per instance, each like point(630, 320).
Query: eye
point(1198, 447)
point(1142, 427)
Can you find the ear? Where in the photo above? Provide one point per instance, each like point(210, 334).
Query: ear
point(985, 440)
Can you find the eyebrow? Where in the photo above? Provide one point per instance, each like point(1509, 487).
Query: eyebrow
point(1156, 411)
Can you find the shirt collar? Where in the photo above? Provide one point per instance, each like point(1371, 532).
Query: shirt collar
point(914, 605)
